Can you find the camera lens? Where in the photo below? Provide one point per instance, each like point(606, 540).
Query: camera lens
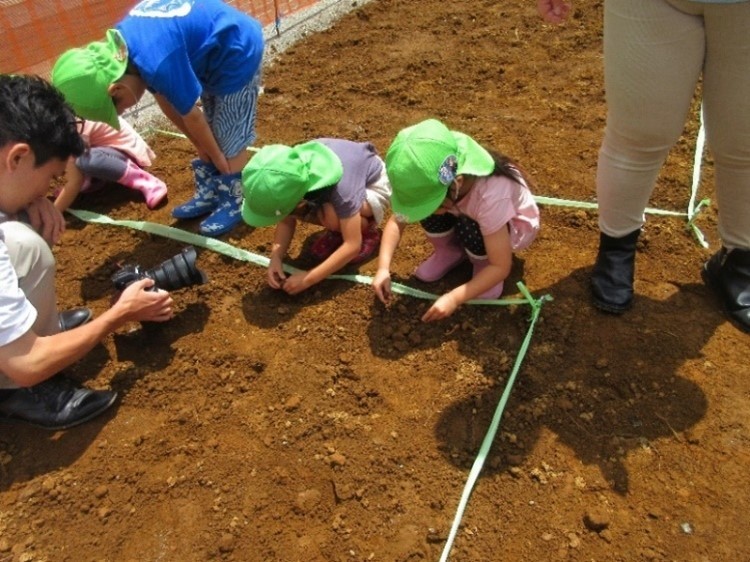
point(177, 272)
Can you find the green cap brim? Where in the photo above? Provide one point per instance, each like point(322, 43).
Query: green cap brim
point(276, 179)
point(255, 220)
point(473, 159)
point(84, 75)
point(415, 213)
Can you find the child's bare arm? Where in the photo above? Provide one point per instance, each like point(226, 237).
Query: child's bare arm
point(196, 129)
point(391, 237)
point(352, 234)
point(73, 182)
point(381, 283)
point(500, 256)
point(172, 114)
point(281, 239)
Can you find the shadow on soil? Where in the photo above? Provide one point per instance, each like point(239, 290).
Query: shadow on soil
point(624, 395)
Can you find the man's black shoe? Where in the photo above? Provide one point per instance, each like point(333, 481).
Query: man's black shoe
point(727, 272)
point(73, 318)
point(57, 403)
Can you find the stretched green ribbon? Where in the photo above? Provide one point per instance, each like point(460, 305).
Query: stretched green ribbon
point(243, 255)
point(536, 308)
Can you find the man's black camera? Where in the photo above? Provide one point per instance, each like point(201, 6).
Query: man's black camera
point(175, 273)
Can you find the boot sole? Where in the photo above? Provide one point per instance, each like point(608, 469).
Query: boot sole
point(192, 215)
point(610, 308)
point(226, 229)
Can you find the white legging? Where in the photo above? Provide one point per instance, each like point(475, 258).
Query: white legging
point(655, 52)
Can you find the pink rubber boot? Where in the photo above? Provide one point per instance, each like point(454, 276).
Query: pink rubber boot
point(448, 254)
point(478, 264)
point(153, 189)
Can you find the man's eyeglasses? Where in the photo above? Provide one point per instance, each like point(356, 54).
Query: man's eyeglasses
point(79, 123)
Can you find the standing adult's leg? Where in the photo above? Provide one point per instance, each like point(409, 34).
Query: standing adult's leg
point(653, 56)
point(726, 92)
point(726, 95)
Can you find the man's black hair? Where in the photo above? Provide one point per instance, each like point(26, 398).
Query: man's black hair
point(32, 111)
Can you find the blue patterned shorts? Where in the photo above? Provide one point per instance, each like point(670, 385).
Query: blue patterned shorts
point(232, 117)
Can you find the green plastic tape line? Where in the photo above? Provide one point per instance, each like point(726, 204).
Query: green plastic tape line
point(536, 308)
point(694, 209)
point(586, 205)
point(691, 214)
point(243, 255)
point(174, 234)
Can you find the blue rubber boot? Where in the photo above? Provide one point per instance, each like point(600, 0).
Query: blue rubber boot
point(228, 213)
point(205, 200)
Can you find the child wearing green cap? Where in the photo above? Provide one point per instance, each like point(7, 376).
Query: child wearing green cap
point(337, 183)
point(111, 155)
point(183, 51)
point(470, 202)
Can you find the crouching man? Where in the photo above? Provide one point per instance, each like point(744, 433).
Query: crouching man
point(38, 134)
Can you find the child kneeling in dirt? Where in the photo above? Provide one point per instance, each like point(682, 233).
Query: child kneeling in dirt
point(111, 156)
point(470, 202)
point(339, 184)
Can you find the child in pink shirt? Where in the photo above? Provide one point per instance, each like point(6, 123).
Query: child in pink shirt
point(111, 156)
point(470, 202)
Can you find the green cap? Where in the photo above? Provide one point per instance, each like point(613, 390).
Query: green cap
point(423, 161)
point(83, 75)
point(278, 176)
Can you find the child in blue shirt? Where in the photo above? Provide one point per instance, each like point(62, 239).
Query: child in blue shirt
point(184, 52)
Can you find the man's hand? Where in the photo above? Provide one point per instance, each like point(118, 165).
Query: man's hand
point(553, 11)
point(46, 220)
point(138, 304)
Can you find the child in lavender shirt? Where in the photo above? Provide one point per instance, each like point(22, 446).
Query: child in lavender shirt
point(336, 183)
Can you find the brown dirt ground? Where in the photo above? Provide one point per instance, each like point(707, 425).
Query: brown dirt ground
point(257, 426)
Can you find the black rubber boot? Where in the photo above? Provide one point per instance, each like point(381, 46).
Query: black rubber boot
point(727, 272)
point(614, 271)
